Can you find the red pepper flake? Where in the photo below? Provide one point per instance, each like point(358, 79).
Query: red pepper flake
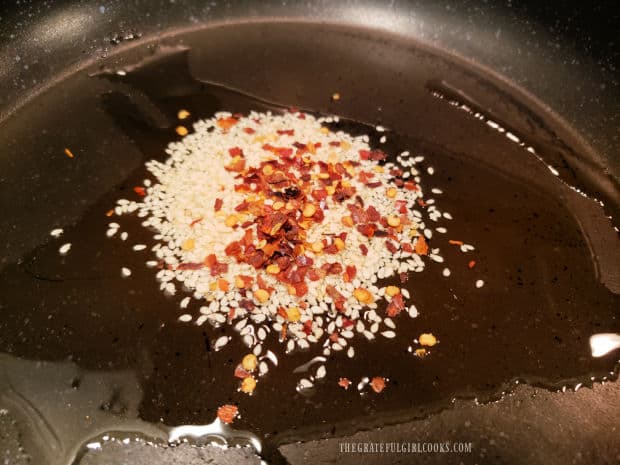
point(349, 273)
point(404, 277)
point(141, 191)
point(391, 247)
point(377, 384)
point(471, 264)
point(365, 176)
point(421, 247)
point(367, 229)
point(247, 305)
point(109, 213)
point(453, 242)
point(344, 383)
point(421, 203)
point(240, 372)
point(307, 327)
point(332, 268)
point(227, 123)
point(373, 214)
point(364, 249)
point(410, 186)
point(336, 296)
point(69, 153)
point(284, 151)
point(227, 413)
point(347, 323)
point(237, 165)
point(301, 289)
point(195, 222)
point(395, 306)
point(233, 249)
point(401, 206)
point(375, 155)
point(282, 313)
point(235, 152)
point(286, 132)
point(190, 266)
point(217, 206)
point(215, 267)
point(249, 130)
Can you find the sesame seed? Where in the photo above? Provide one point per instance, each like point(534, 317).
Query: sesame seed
point(125, 272)
point(64, 249)
point(220, 342)
point(56, 232)
point(446, 272)
point(479, 283)
point(203, 217)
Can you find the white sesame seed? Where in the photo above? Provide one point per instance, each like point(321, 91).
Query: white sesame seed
point(446, 272)
point(263, 368)
point(304, 384)
point(64, 249)
point(125, 272)
point(220, 342)
point(479, 283)
point(56, 232)
point(185, 318)
point(193, 179)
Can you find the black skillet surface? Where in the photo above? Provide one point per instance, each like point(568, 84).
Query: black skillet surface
point(101, 322)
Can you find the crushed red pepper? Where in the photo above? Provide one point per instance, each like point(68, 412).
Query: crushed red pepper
point(141, 191)
point(227, 413)
point(344, 383)
point(378, 384)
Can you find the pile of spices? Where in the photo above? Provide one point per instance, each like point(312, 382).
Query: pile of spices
point(277, 224)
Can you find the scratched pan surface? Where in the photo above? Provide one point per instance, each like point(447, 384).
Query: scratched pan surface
point(549, 255)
